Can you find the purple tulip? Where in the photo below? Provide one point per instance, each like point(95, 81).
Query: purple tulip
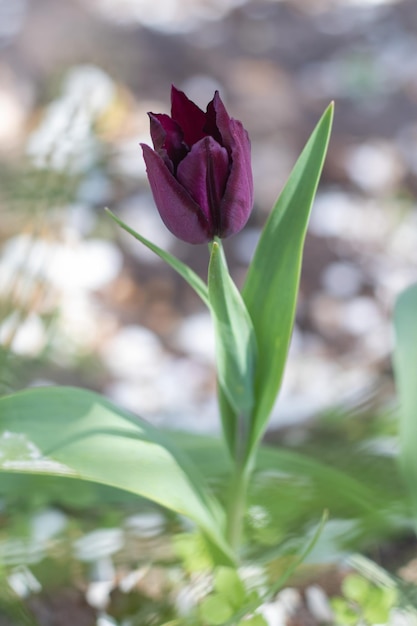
point(199, 171)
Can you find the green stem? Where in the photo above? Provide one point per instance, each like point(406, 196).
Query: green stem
point(237, 505)
point(239, 483)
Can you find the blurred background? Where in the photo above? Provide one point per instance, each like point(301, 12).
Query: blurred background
point(83, 303)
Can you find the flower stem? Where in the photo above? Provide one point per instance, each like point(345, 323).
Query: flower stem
point(237, 505)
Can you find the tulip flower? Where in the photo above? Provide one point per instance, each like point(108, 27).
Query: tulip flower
point(199, 171)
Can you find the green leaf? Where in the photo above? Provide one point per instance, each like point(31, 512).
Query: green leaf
point(215, 609)
point(187, 273)
point(228, 584)
point(405, 366)
point(236, 349)
point(345, 615)
point(337, 485)
point(72, 432)
point(377, 607)
point(193, 551)
point(331, 486)
point(355, 587)
point(271, 287)
point(376, 614)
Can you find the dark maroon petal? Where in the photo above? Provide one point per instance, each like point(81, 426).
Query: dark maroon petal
point(210, 126)
point(222, 120)
point(167, 138)
point(237, 201)
point(204, 173)
point(188, 116)
point(180, 214)
point(238, 198)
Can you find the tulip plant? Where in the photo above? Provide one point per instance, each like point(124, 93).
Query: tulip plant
point(200, 175)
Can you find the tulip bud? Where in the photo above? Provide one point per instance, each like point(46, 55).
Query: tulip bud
point(199, 171)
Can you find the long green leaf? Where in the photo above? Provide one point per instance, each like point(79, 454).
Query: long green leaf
point(76, 433)
point(236, 351)
point(271, 287)
point(187, 273)
point(333, 485)
point(405, 364)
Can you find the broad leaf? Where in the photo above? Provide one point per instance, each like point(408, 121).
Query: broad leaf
point(187, 273)
point(333, 488)
point(236, 351)
point(76, 433)
point(405, 363)
point(271, 287)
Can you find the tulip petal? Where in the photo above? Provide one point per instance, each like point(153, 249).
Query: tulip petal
point(167, 138)
point(180, 214)
point(210, 127)
point(238, 197)
point(204, 172)
point(188, 116)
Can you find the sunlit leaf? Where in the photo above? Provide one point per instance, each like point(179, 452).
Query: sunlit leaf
point(236, 351)
point(187, 273)
point(72, 432)
point(271, 287)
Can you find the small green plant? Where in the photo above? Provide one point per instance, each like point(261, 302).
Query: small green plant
point(363, 602)
point(228, 597)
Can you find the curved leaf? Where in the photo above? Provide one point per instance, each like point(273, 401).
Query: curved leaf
point(187, 273)
point(76, 433)
point(271, 287)
point(334, 485)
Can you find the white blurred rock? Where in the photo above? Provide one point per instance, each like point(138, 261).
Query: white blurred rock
point(26, 337)
point(64, 139)
point(273, 613)
point(98, 593)
point(89, 265)
point(80, 220)
point(79, 265)
point(127, 159)
point(98, 544)
point(134, 351)
point(290, 599)
point(360, 316)
point(350, 217)
point(145, 524)
point(23, 582)
point(21, 552)
point(376, 167)
point(105, 620)
point(12, 119)
point(318, 604)
point(341, 279)
point(195, 336)
point(47, 524)
point(140, 214)
point(399, 617)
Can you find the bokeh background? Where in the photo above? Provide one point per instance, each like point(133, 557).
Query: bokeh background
point(85, 304)
point(82, 303)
